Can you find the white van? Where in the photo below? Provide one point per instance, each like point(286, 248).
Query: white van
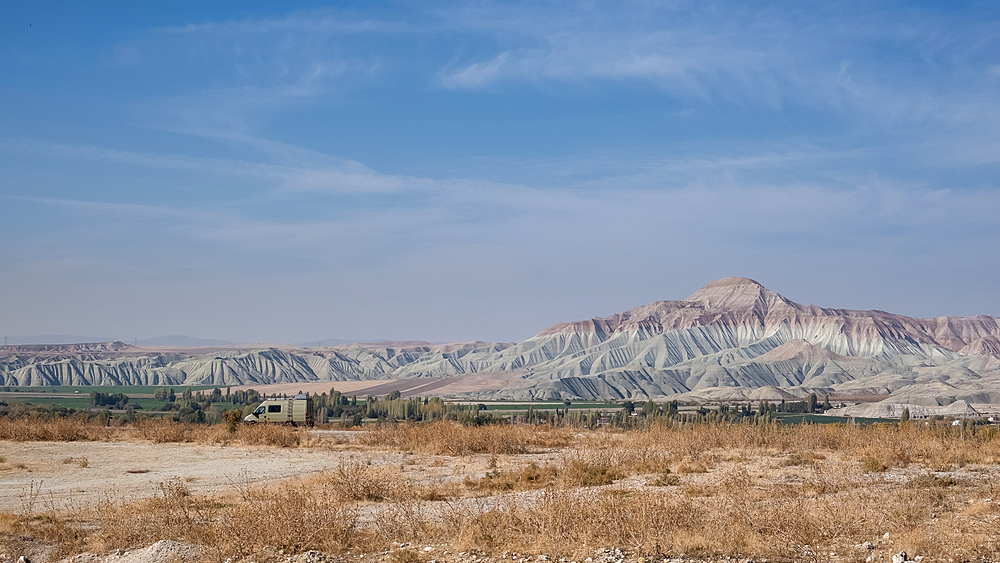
point(295, 411)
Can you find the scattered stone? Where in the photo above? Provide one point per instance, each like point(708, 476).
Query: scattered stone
point(899, 557)
point(868, 545)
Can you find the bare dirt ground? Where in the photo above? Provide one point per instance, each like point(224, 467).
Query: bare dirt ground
point(52, 474)
point(824, 495)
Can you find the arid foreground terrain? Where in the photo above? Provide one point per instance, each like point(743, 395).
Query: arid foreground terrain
point(163, 492)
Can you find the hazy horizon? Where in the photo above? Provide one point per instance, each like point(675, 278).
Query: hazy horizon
point(278, 172)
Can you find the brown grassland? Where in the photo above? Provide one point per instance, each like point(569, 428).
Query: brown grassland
point(780, 493)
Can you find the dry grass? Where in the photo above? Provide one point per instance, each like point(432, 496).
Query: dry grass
point(52, 430)
point(531, 476)
point(158, 431)
point(82, 461)
point(448, 438)
point(778, 493)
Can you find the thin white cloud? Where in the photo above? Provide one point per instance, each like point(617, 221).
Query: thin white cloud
point(166, 161)
point(319, 22)
point(739, 53)
point(314, 172)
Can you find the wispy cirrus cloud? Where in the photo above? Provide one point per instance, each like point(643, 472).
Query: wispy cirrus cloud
point(312, 172)
point(430, 158)
point(756, 53)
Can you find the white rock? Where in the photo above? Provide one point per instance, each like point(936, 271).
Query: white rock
point(899, 557)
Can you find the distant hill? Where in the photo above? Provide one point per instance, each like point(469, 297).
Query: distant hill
point(324, 343)
point(732, 340)
point(183, 342)
point(54, 339)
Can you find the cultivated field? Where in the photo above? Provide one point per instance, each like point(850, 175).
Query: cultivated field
point(447, 493)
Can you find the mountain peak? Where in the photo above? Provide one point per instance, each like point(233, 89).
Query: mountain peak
point(733, 294)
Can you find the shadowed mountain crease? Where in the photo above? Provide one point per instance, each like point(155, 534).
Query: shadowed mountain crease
point(732, 339)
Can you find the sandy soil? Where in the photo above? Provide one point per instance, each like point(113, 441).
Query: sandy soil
point(41, 476)
point(50, 473)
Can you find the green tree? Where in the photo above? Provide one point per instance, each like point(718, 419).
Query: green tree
point(905, 417)
point(812, 403)
point(763, 408)
point(649, 408)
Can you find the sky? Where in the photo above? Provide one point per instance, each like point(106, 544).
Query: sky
point(287, 172)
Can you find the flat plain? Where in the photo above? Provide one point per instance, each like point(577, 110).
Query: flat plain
point(444, 492)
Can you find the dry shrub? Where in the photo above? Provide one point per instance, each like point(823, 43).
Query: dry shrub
point(666, 480)
point(82, 461)
point(531, 476)
point(930, 480)
point(288, 518)
point(634, 452)
point(748, 519)
point(451, 438)
point(161, 431)
point(799, 459)
point(406, 556)
point(872, 464)
point(272, 435)
point(581, 473)
point(829, 505)
point(156, 430)
point(563, 522)
point(358, 480)
point(689, 465)
point(34, 429)
point(22, 533)
point(172, 514)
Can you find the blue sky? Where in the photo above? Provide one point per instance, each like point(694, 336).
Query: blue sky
point(270, 172)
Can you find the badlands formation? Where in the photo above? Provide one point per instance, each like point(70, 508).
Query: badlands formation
point(733, 339)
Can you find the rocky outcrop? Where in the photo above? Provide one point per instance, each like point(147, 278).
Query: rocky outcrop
point(732, 339)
